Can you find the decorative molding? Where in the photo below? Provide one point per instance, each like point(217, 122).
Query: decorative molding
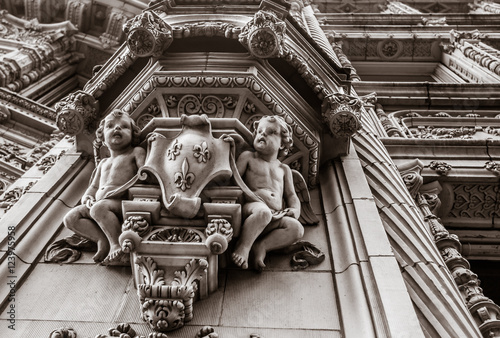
point(47, 162)
point(148, 35)
point(175, 235)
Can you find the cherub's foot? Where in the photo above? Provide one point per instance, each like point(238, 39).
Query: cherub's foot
point(102, 251)
point(240, 260)
point(114, 256)
point(259, 254)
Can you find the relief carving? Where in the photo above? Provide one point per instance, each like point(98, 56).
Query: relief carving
point(148, 35)
point(264, 35)
point(342, 113)
point(76, 113)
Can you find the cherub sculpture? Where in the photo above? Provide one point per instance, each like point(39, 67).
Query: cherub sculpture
point(271, 219)
point(97, 218)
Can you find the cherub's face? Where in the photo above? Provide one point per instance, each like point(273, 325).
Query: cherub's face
point(267, 137)
point(117, 132)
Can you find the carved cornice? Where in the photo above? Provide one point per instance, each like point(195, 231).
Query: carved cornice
point(27, 104)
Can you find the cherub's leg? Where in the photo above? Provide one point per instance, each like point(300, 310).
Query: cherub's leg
point(278, 235)
point(259, 216)
point(105, 214)
point(79, 220)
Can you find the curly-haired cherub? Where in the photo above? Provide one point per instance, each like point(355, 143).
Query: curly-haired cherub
point(97, 217)
point(271, 223)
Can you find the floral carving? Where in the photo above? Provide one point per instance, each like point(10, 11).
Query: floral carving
point(148, 34)
point(48, 162)
point(137, 224)
point(76, 113)
point(207, 332)
point(174, 150)
point(63, 332)
point(184, 179)
point(69, 249)
point(442, 168)
point(264, 35)
point(175, 235)
point(493, 167)
point(201, 152)
point(219, 232)
point(10, 197)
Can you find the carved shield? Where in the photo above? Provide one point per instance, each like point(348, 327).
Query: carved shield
point(186, 163)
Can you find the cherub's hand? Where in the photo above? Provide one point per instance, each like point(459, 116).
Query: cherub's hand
point(292, 212)
point(88, 201)
point(227, 138)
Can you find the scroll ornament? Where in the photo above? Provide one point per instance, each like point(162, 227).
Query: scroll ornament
point(148, 35)
point(76, 113)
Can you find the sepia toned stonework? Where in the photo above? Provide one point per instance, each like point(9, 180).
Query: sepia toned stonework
point(280, 168)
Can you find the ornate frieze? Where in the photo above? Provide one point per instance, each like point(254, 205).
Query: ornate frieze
point(148, 35)
point(77, 113)
point(264, 35)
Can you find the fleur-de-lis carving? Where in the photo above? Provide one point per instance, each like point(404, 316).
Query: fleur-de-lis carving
point(184, 179)
point(174, 150)
point(201, 152)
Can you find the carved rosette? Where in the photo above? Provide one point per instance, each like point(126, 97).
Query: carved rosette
point(168, 307)
point(219, 233)
point(264, 35)
point(342, 113)
point(148, 35)
point(76, 113)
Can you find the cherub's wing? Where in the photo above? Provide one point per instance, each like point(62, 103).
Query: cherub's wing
point(307, 216)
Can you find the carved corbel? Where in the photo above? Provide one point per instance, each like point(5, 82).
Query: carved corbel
point(133, 229)
point(76, 113)
point(168, 307)
point(219, 233)
point(148, 35)
point(342, 112)
point(264, 35)
point(411, 174)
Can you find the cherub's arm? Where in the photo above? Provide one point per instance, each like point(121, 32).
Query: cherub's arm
point(88, 197)
point(291, 199)
point(242, 162)
point(140, 156)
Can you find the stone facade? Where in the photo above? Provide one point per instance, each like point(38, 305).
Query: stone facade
point(393, 112)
